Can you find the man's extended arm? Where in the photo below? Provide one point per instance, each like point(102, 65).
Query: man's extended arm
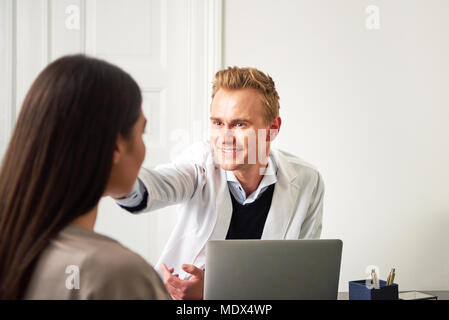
point(136, 200)
point(165, 185)
point(169, 184)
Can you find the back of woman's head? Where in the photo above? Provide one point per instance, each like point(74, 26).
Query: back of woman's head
point(59, 159)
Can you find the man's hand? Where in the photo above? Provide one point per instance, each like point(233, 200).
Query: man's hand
point(191, 289)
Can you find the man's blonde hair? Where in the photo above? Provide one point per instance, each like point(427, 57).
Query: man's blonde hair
point(241, 78)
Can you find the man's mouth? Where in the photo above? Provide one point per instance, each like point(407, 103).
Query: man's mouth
point(230, 150)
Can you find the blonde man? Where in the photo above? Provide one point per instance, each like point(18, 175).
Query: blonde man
point(234, 186)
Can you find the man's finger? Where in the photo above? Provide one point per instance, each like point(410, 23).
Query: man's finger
point(190, 268)
point(166, 272)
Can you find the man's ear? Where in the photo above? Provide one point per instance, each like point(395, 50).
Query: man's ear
point(275, 126)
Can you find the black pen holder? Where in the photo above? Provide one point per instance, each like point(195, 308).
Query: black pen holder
point(361, 290)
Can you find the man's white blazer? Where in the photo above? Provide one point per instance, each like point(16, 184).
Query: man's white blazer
point(200, 189)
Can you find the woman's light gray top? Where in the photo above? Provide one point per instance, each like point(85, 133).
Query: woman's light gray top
point(82, 264)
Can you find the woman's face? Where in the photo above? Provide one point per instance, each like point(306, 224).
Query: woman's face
point(128, 157)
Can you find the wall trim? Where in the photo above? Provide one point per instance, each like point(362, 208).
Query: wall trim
point(204, 32)
point(214, 40)
point(90, 26)
point(8, 91)
point(11, 53)
point(46, 34)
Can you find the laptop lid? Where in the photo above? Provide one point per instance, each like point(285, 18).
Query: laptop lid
point(272, 269)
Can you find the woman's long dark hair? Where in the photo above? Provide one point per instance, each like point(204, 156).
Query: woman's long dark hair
point(59, 159)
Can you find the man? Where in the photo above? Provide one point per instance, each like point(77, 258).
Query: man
point(234, 186)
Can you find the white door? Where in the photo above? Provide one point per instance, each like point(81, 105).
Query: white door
point(172, 48)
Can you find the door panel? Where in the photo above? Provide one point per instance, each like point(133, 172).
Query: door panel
point(167, 46)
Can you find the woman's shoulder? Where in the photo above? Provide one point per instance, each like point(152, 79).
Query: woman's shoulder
point(109, 270)
point(114, 255)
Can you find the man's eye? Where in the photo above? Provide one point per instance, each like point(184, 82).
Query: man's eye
point(240, 124)
point(217, 123)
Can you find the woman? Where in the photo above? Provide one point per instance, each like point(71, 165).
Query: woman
point(78, 138)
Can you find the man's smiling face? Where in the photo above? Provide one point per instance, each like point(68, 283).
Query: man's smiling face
point(237, 118)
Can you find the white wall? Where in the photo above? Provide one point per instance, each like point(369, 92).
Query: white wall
point(370, 109)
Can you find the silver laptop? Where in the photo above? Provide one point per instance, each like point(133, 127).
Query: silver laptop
point(272, 269)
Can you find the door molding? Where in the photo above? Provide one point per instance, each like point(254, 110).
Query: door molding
point(8, 76)
point(203, 65)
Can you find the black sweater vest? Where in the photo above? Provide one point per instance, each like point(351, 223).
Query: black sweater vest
point(248, 220)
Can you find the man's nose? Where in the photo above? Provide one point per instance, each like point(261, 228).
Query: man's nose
point(227, 136)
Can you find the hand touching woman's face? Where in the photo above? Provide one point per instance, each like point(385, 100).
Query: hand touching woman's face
point(128, 158)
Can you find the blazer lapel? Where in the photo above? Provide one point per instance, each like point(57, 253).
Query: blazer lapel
point(223, 205)
point(282, 204)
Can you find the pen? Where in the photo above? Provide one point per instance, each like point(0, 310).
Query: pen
point(374, 279)
point(391, 277)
